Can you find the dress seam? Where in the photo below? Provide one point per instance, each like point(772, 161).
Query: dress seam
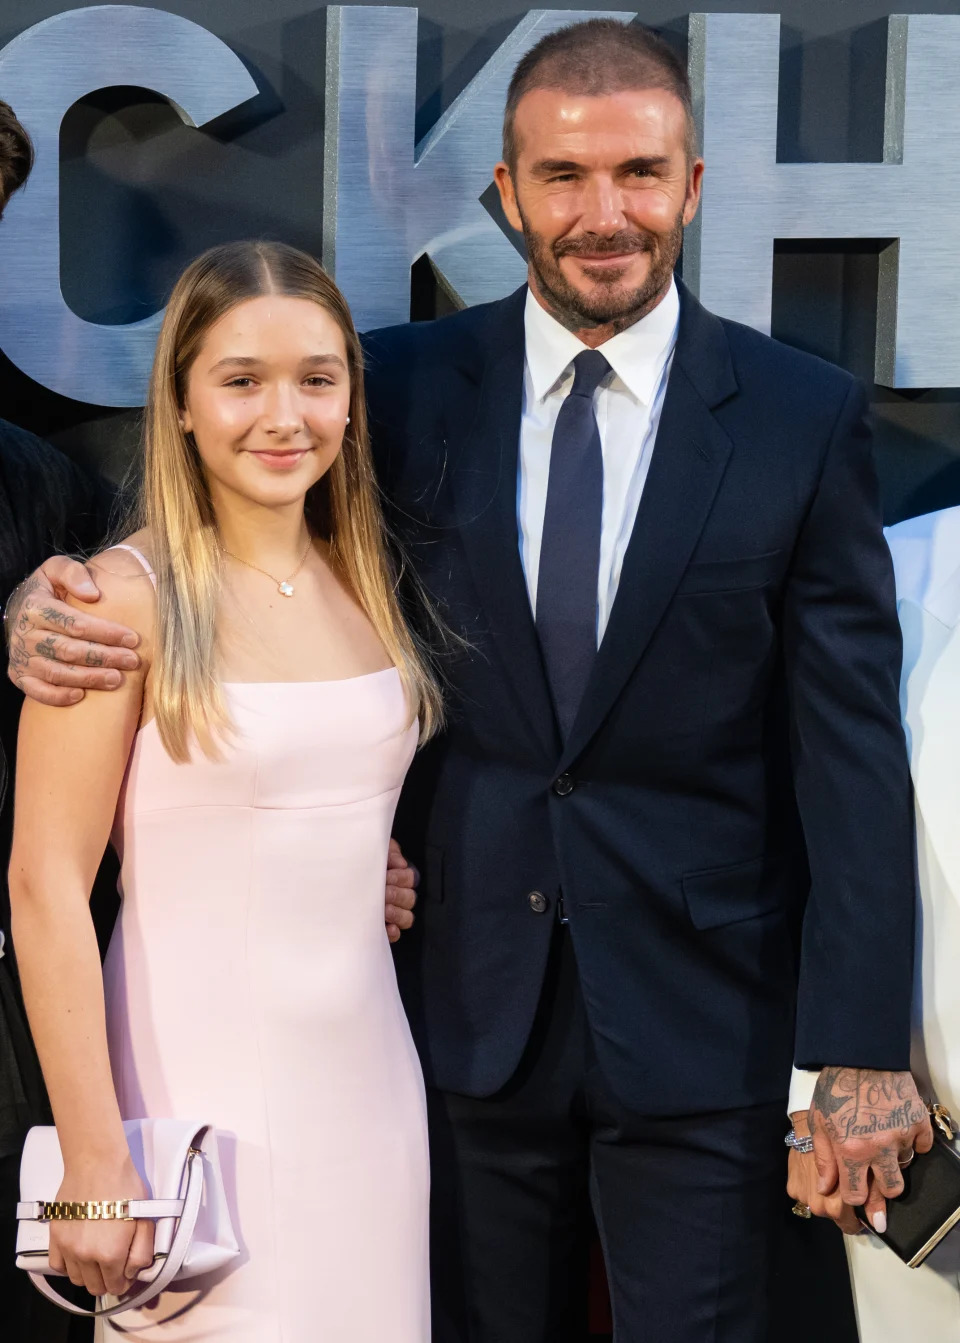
point(262, 806)
point(259, 1046)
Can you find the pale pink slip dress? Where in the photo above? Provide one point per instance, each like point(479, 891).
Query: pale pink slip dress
point(249, 983)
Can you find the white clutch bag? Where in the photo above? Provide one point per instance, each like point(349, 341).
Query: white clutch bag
point(179, 1163)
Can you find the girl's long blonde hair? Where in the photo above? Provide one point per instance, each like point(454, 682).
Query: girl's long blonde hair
point(175, 504)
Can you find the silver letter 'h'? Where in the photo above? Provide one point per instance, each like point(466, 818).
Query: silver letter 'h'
point(911, 199)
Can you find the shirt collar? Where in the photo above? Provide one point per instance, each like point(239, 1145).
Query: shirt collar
point(636, 355)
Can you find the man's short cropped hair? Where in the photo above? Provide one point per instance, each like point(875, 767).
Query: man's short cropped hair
point(16, 154)
point(593, 58)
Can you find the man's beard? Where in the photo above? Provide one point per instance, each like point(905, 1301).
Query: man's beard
point(606, 304)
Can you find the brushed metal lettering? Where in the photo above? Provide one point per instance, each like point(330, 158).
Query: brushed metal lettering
point(43, 72)
point(387, 200)
point(911, 199)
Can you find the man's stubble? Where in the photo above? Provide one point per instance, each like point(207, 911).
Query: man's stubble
point(582, 312)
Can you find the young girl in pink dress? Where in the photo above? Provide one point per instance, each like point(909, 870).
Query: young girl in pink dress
point(248, 774)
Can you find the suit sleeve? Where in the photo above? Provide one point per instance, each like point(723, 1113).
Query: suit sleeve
point(842, 654)
point(48, 505)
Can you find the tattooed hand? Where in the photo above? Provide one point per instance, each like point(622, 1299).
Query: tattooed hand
point(55, 650)
point(864, 1124)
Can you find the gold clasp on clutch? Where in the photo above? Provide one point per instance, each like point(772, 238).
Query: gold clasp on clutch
point(942, 1118)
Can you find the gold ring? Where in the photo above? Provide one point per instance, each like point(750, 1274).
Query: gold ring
point(801, 1210)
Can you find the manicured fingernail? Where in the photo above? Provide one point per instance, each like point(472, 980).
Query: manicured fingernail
point(130, 662)
point(880, 1222)
point(822, 1184)
point(130, 640)
point(112, 679)
point(89, 589)
point(76, 696)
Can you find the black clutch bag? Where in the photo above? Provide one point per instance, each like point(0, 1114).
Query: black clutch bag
point(929, 1206)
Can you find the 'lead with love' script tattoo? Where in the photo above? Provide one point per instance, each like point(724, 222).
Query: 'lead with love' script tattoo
point(854, 1103)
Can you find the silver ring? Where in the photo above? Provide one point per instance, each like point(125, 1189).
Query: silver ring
point(904, 1164)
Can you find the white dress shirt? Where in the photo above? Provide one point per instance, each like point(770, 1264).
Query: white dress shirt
point(628, 405)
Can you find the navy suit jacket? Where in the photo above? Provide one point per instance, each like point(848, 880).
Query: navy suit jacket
point(729, 821)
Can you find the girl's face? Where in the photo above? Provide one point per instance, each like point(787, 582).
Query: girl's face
point(267, 399)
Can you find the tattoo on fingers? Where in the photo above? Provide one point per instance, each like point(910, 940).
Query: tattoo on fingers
point(52, 648)
point(888, 1170)
point(47, 647)
point(854, 1171)
point(62, 619)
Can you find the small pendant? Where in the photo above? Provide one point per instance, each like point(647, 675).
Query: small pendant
point(286, 589)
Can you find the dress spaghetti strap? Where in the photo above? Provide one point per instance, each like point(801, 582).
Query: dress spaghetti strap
point(137, 554)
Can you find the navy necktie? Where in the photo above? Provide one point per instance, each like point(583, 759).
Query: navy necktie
point(570, 550)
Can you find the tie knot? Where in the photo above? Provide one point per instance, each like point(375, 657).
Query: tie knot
point(589, 369)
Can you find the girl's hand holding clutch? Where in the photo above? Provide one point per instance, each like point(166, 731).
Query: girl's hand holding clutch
point(102, 1255)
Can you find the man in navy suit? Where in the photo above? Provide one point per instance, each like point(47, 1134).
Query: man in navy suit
point(674, 779)
point(666, 837)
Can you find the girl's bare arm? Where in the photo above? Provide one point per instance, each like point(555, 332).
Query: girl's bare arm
point(70, 769)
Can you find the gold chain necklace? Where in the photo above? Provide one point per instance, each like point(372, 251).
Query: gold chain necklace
point(284, 586)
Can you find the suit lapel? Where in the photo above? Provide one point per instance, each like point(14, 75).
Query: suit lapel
point(688, 463)
point(484, 484)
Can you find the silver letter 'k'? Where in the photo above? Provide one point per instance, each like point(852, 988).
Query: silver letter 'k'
point(387, 201)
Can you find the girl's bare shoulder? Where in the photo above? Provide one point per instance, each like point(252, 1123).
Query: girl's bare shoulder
point(123, 574)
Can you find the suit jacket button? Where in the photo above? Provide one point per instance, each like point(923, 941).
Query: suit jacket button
point(537, 902)
point(563, 786)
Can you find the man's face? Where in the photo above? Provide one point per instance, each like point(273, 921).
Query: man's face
point(602, 190)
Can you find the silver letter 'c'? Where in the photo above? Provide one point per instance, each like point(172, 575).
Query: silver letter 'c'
point(43, 72)
point(387, 201)
point(911, 199)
